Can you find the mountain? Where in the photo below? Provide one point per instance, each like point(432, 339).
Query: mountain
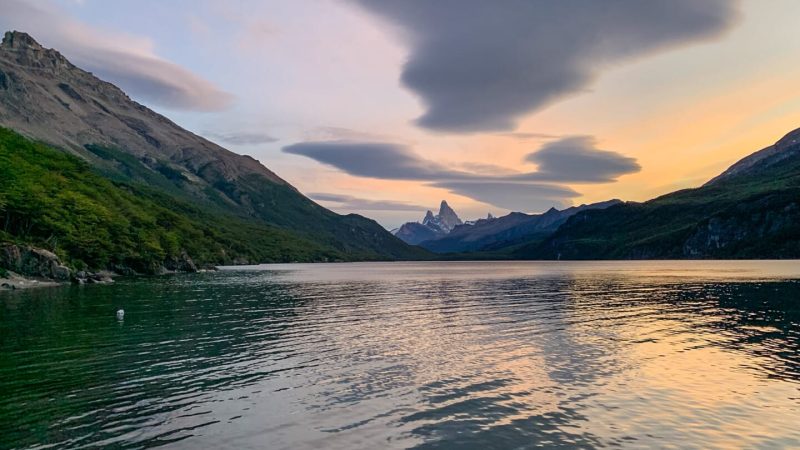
point(752, 210)
point(431, 227)
point(447, 219)
point(493, 234)
point(51, 199)
point(46, 98)
point(414, 232)
point(761, 161)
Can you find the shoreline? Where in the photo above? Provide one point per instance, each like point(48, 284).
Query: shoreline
point(14, 282)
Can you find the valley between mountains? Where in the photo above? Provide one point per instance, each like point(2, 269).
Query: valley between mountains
point(92, 181)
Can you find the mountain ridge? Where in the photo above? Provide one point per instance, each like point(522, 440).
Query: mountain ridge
point(505, 231)
point(46, 98)
point(752, 210)
point(431, 227)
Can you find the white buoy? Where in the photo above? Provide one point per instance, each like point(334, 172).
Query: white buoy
point(120, 314)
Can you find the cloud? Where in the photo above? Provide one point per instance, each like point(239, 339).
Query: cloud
point(510, 195)
point(481, 65)
point(491, 170)
point(124, 60)
point(485, 183)
point(570, 159)
point(347, 202)
point(329, 133)
point(242, 138)
point(373, 160)
point(523, 136)
point(575, 159)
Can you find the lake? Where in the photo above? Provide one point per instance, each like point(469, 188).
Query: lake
point(690, 354)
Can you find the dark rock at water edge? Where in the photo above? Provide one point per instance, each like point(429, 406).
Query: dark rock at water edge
point(181, 263)
point(33, 262)
point(22, 263)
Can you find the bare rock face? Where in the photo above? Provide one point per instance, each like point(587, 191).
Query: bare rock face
point(33, 262)
point(415, 233)
point(431, 227)
point(720, 233)
point(180, 264)
point(447, 217)
point(45, 97)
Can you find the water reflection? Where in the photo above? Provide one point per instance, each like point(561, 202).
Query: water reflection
point(461, 355)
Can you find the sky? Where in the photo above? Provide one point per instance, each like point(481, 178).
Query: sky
point(385, 108)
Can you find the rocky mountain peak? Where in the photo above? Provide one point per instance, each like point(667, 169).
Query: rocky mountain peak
point(447, 217)
point(24, 50)
point(18, 40)
point(45, 97)
point(432, 226)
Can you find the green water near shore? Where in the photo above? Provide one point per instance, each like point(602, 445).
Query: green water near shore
point(402, 355)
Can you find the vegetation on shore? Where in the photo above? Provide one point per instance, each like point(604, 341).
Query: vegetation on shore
point(752, 215)
point(56, 201)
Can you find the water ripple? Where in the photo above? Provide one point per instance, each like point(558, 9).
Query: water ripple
point(402, 355)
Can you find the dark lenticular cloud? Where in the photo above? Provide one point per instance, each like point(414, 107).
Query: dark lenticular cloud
point(488, 184)
point(373, 159)
point(479, 65)
point(151, 79)
point(575, 159)
point(571, 159)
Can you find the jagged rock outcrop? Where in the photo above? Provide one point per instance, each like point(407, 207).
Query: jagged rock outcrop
point(33, 262)
point(432, 226)
point(501, 232)
point(36, 262)
point(446, 220)
point(182, 263)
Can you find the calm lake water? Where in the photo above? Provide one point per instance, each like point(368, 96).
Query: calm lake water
point(410, 355)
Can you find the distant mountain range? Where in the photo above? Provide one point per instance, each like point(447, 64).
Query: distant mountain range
point(432, 226)
point(752, 210)
point(105, 183)
point(45, 98)
point(446, 233)
point(504, 232)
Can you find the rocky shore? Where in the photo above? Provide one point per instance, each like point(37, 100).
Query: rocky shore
point(13, 281)
point(24, 267)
